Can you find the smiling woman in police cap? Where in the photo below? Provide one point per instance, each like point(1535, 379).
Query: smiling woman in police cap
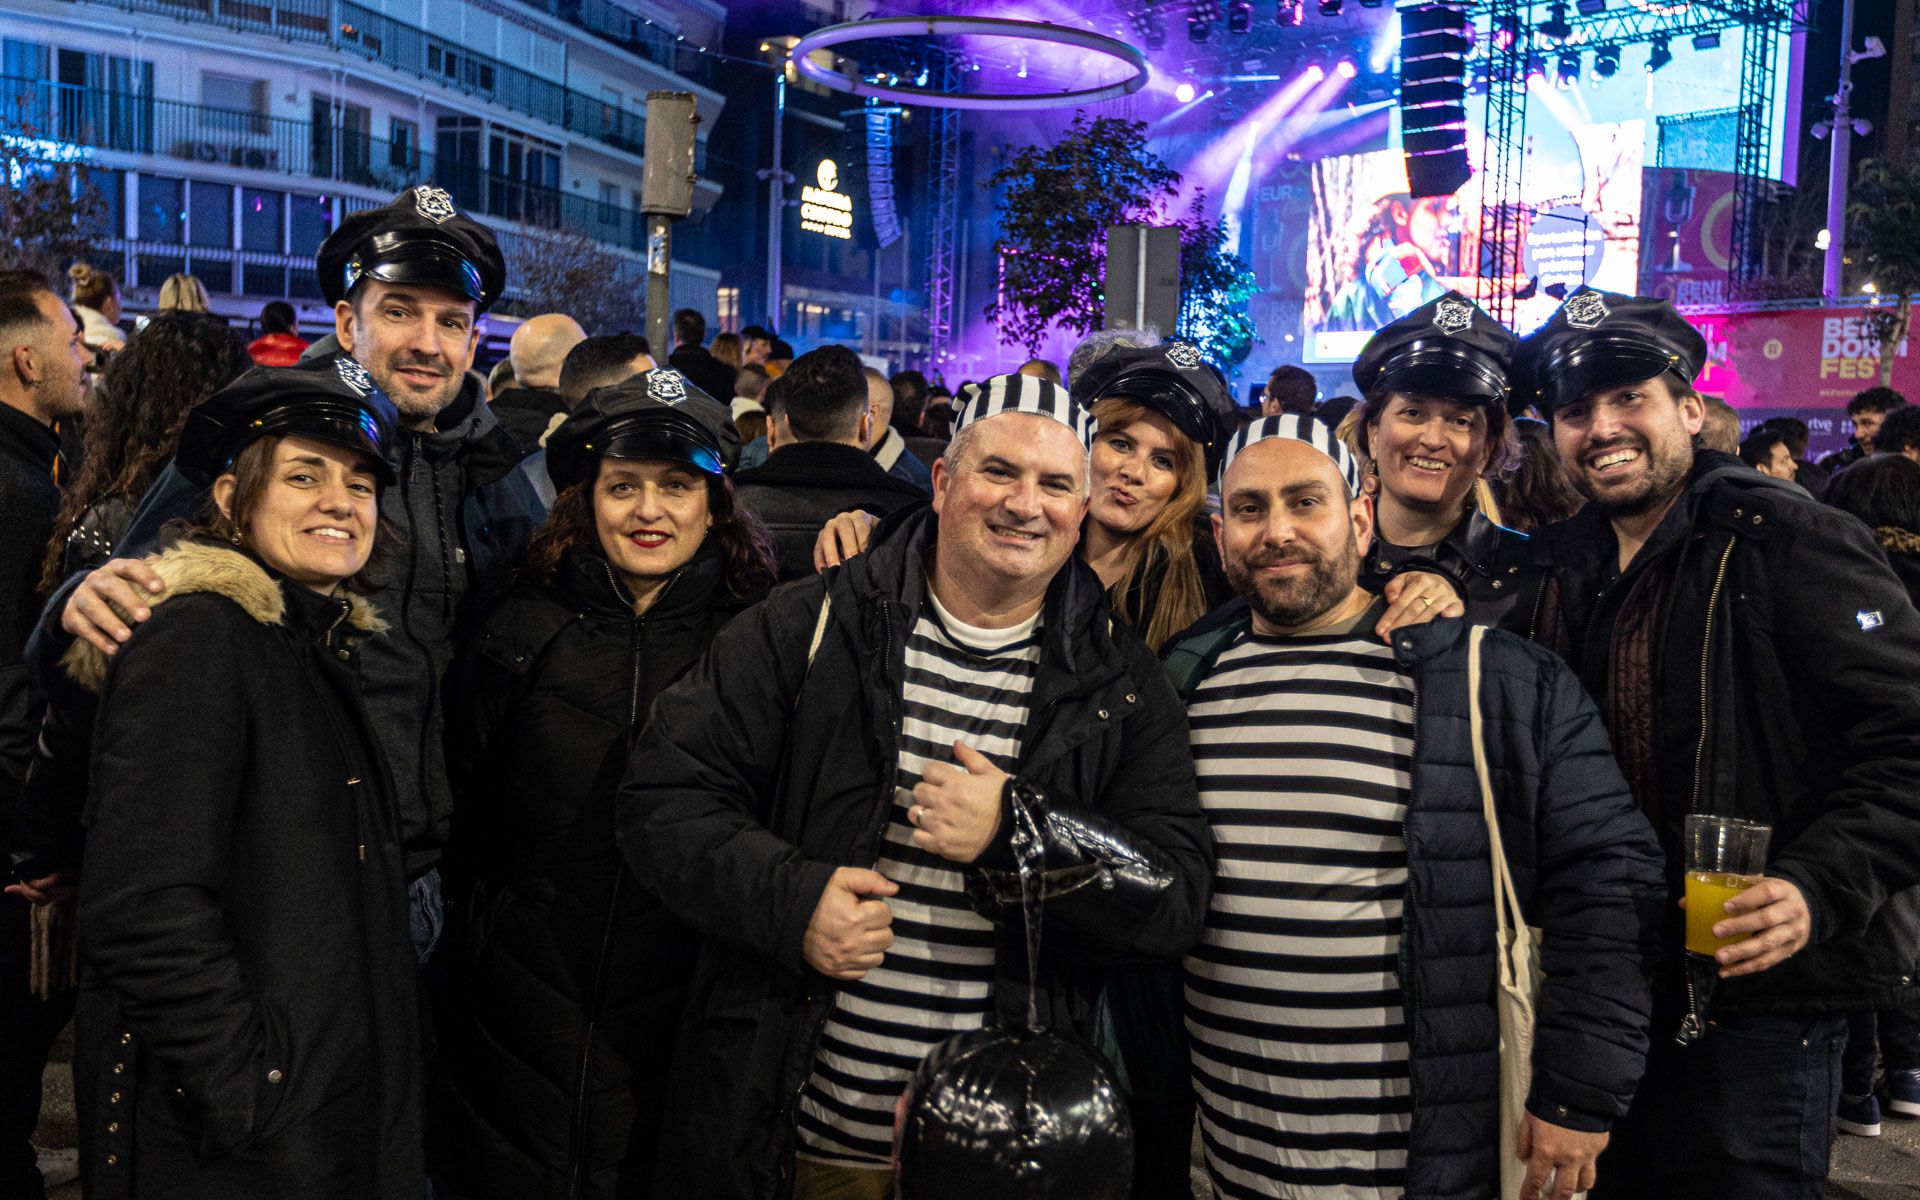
point(644, 559)
point(248, 1004)
point(1434, 419)
point(408, 282)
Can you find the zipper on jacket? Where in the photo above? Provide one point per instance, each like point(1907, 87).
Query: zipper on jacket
point(576, 1157)
point(1692, 1026)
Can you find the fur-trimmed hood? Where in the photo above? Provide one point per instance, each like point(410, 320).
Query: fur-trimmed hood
point(204, 567)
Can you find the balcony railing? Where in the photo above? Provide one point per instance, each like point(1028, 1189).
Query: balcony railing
point(197, 133)
point(380, 38)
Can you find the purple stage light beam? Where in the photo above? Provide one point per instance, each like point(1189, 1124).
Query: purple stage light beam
point(1212, 168)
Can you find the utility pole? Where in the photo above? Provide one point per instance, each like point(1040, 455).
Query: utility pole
point(776, 177)
point(666, 194)
point(1841, 128)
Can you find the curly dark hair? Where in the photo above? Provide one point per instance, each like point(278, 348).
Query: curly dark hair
point(133, 422)
point(1539, 490)
point(747, 546)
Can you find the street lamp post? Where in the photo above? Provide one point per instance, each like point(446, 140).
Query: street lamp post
point(1841, 128)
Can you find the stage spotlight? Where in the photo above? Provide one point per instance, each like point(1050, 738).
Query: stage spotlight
point(1659, 56)
point(1706, 41)
point(1556, 28)
point(1371, 3)
point(1606, 62)
point(1331, 8)
point(1199, 23)
point(1184, 93)
point(1147, 27)
point(1314, 73)
point(1590, 8)
point(1346, 69)
point(1239, 16)
point(1568, 70)
point(1290, 13)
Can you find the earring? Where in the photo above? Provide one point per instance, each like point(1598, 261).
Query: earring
point(235, 538)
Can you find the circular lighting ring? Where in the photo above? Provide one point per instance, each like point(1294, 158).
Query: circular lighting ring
point(1032, 31)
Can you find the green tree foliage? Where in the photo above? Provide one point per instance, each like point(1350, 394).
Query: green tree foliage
point(1057, 203)
point(1215, 288)
point(1883, 227)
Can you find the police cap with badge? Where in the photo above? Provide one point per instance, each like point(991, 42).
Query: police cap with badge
point(1599, 340)
point(330, 399)
point(1449, 347)
point(419, 238)
point(1171, 379)
point(656, 414)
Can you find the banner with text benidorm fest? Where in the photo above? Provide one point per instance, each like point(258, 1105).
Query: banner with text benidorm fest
point(1805, 362)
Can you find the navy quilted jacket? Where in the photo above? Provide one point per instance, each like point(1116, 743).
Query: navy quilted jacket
point(1588, 870)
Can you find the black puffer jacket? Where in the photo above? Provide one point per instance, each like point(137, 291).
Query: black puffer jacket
point(1778, 620)
point(760, 774)
point(249, 1019)
point(568, 978)
point(1584, 861)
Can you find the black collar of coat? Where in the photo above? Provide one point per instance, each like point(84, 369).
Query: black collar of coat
point(824, 465)
point(26, 439)
point(587, 580)
point(1073, 615)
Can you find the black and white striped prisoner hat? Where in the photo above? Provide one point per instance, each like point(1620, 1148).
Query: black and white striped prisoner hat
point(1300, 429)
point(1027, 394)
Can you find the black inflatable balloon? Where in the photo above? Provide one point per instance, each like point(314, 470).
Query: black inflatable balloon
point(1015, 1114)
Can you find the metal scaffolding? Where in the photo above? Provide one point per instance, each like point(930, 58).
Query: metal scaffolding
point(943, 255)
point(1511, 37)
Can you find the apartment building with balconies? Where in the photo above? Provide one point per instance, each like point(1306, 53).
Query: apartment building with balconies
point(226, 138)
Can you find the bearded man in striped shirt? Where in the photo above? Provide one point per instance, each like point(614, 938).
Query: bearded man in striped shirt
point(843, 795)
point(1340, 1005)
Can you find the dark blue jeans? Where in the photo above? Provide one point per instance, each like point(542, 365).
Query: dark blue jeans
point(1747, 1112)
point(426, 914)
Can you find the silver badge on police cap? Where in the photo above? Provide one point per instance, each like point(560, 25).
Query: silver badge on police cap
point(1183, 356)
point(434, 204)
point(1586, 310)
point(1453, 316)
point(353, 374)
point(668, 387)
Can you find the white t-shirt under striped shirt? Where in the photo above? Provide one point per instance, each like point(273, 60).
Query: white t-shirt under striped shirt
point(962, 683)
point(1304, 750)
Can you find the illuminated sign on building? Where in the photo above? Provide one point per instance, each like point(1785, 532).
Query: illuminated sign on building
point(825, 209)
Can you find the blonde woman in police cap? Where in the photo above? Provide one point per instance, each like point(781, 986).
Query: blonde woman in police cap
point(248, 1021)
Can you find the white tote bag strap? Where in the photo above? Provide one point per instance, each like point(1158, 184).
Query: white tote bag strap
point(819, 628)
point(1516, 952)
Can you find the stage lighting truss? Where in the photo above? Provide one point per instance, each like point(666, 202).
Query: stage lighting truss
point(1556, 28)
point(1148, 27)
point(1201, 16)
point(1042, 34)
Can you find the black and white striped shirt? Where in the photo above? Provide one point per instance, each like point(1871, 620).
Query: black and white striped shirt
point(965, 684)
point(1304, 749)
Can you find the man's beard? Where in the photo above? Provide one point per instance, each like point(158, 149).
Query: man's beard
point(410, 405)
point(1665, 474)
point(1293, 602)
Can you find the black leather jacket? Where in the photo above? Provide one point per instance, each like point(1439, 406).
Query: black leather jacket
point(1490, 565)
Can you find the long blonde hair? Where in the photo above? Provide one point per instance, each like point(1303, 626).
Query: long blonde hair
point(1167, 540)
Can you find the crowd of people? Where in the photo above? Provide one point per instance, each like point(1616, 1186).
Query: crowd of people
point(750, 775)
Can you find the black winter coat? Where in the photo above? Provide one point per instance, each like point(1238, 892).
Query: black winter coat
point(461, 515)
point(803, 486)
point(249, 1018)
point(28, 497)
point(526, 413)
point(760, 774)
point(1784, 627)
point(1584, 861)
point(568, 978)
